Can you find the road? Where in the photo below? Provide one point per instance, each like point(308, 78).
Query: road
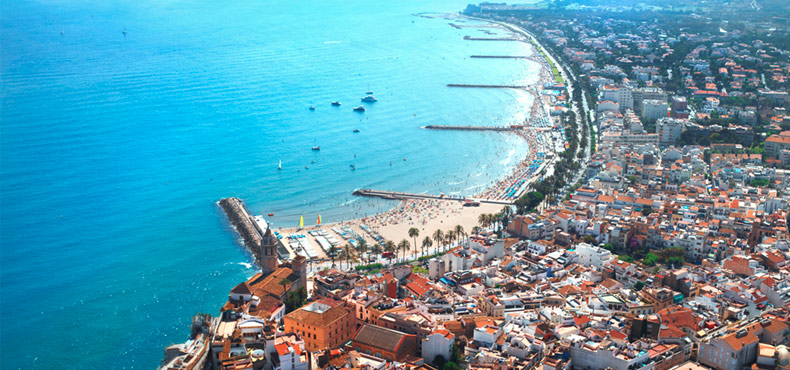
point(570, 79)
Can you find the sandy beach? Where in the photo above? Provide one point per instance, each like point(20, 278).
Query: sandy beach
point(429, 215)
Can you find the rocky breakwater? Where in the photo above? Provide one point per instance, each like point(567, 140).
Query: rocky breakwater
point(246, 226)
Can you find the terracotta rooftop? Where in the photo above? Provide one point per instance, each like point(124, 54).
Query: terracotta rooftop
point(379, 337)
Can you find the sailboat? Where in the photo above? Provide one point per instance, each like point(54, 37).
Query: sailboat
point(316, 147)
point(280, 165)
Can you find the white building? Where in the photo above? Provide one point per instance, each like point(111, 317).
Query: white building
point(592, 256)
point(654, 109)
point(669, 130)
point(438, 343)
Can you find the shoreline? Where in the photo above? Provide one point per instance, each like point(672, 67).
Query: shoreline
point(430, 215)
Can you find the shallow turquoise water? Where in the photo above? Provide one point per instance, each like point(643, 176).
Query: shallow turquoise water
point(114, 149)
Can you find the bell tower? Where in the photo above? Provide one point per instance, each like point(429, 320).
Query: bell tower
point(268, 252)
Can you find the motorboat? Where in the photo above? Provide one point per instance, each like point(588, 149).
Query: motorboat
point(369, 99)
point(337, 103)
point(360, 108)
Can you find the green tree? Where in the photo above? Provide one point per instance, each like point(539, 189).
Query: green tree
point(414, 233)
point(362, 248)
point(759, 182)
point(404, 246)
point(438, 237)
point(625, 258)
point(390, 247)
point(639, 285)
point(647, 210)
point(650, 259)
point(531, 200)
point(459, 232)
point(348, 253)
point(332, 254)
point(483, 219)
point(426, 244)
point(506, 214)
point(295, 299)
point(450, 236)
point(376, 249)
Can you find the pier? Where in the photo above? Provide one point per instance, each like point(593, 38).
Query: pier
point(499, 56)
point(487, 128)
point(469, 128)
point(488, 86)
point(241, 219)
point(396, 195)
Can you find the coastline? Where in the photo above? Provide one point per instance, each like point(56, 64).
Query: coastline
point(431, 215)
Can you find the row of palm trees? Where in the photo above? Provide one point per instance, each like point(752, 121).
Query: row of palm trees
point(349, 253)
point(439, 238)
point(501, 219)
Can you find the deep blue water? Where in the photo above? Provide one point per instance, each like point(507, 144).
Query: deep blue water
point(114, 149)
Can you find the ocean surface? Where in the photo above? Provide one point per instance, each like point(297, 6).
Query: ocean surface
point(114, 149)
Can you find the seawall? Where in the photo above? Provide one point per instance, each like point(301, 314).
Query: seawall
point(247, 227)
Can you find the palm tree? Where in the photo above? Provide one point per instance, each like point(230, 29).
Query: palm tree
point(414, 233)
point(332, 253)
point(483, 220)
point(438, 237)
point(390, 247)
point(450, 236)
point(491, 220)
point(404, 246)
point(362, 247)
point(507, 214)
point(476, 230)
point(376, 249)
point(459, 232)
point(349, 252)
point(426, 244)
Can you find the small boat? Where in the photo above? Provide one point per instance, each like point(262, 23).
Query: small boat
point(316, 147)
point(360, 108)
point(337, 103)
point(369, 93)
point(313, 161)
point(312, 107)
point(271, 214)
point(356, 130)
point(353, 167)
point(280, 165)
point(369, 99)
point(307, 168)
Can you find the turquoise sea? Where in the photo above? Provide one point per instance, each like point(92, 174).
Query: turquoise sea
point(115, 147)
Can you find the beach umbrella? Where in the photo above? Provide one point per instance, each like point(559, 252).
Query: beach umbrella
point(301, 222)
point(319, 219)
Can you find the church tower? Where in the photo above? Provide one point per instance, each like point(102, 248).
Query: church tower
point(268, 252)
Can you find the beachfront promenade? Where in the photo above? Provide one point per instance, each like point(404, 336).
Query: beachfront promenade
point(397, 195)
